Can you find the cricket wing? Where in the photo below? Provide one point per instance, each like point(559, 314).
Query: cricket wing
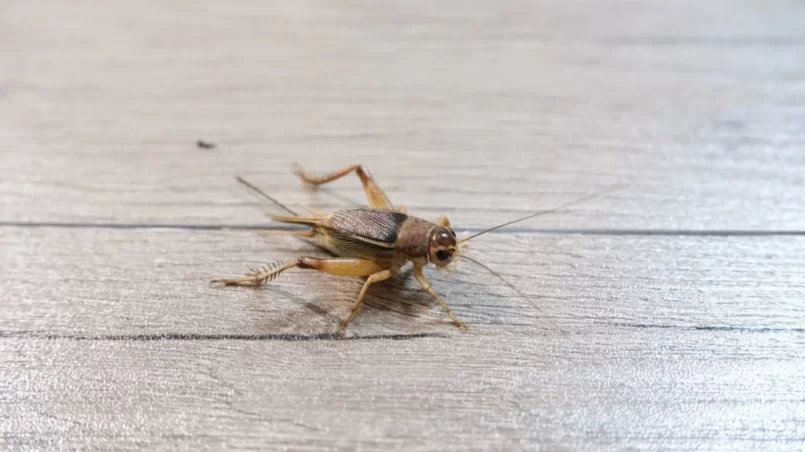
point(366, 233)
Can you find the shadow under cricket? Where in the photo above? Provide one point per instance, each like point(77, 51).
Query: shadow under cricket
point(375, 242)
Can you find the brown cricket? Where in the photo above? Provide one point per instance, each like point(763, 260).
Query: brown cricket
point(374, 242)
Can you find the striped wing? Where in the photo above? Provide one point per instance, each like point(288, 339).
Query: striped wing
point(366, 233)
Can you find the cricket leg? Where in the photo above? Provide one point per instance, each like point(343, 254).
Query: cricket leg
point(443, 221)
point(420, 277)
point(335, 266)
point(356, 308)
point(374, 193)
point(256, 276)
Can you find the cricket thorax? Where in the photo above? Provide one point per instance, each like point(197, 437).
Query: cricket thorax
point(414, 237)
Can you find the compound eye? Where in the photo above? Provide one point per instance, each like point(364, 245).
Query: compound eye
point(442, 255)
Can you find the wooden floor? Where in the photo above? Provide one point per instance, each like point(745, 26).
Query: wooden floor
point(668, 315)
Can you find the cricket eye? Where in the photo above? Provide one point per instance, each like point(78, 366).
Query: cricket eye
point(441, 247)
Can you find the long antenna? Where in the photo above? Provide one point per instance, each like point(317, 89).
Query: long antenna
point(542, 212)
point(264, 195)
point(511, 286)
point(505, 281)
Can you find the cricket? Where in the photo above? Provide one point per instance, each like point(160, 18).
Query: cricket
point(375, 242)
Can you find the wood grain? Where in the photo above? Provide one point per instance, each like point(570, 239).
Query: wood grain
point(495, 111)
point(667, 315)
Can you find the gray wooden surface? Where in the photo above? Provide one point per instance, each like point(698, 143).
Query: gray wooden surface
point(669, 315)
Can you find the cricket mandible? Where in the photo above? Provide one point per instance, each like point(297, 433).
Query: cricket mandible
point(373, 242)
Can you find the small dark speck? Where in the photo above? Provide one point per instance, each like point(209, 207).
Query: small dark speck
point(205, 144)
point(733, 124)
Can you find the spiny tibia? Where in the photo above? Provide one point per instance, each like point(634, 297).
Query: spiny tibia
point(266, 273)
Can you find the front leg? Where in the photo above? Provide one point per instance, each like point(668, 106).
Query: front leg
point(420, 277)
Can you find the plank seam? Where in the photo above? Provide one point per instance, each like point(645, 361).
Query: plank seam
point(255, 227)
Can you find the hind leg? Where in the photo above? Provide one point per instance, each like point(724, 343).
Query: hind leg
point(341, 267)
point(334, 266)
point(374, 194)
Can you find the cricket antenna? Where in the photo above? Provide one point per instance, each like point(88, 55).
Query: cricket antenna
point(511, 286)
point(264, 195)
point(505, 281)
point(540, 213)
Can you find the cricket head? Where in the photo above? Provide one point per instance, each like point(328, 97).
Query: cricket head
point(442, 246)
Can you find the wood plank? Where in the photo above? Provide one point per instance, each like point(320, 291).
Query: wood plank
point(611, 388)
point(482, 114)
point(160, 278)
point(112, 339)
